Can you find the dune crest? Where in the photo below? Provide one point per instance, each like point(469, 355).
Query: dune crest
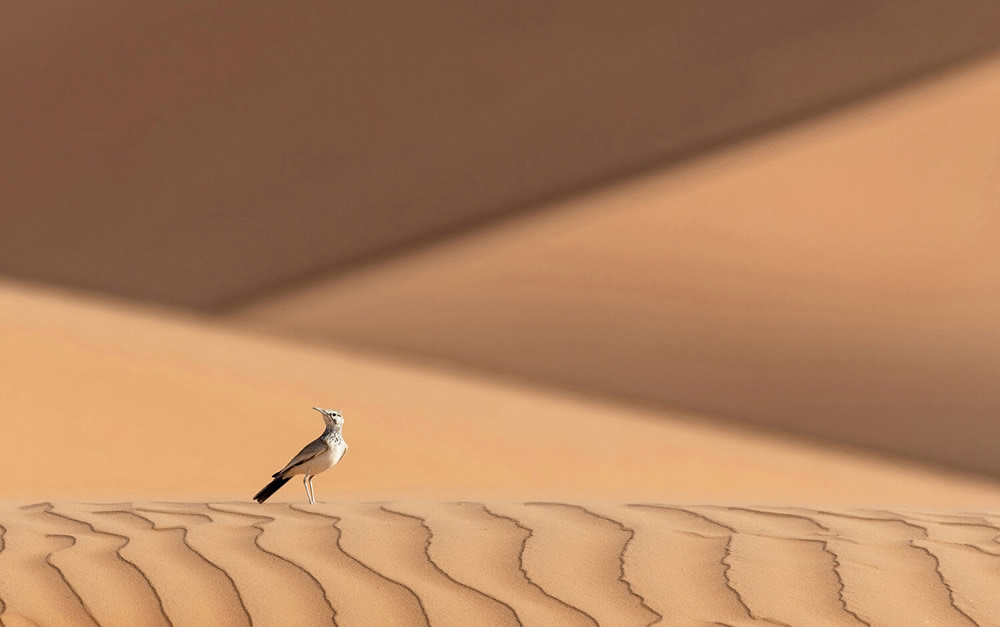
point(419, 563)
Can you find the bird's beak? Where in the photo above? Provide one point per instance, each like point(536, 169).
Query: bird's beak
point(318, 409)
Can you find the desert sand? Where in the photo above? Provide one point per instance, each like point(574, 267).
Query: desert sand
point(123, 401)
point(197, 154)
point(418, 563)
point(838, 279)
point(104, 401)
point(616, 342)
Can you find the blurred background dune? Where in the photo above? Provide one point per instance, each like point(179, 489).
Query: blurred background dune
point(753, 251)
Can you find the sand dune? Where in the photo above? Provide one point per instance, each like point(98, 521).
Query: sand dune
point(418, 563)
point(839, 279)
point(286, 171)
point(194, 154)
point(121, 401)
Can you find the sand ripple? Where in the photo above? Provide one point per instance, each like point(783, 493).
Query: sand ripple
point(493, 564)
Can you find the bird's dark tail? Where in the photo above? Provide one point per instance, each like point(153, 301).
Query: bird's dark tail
point(266, 492)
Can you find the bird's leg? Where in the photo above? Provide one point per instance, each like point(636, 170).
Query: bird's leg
point(312, 490)
point(305, 482)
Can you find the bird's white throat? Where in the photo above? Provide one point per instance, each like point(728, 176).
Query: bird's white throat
point(333, 434)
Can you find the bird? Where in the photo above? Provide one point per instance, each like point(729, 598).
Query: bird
point(317, 456)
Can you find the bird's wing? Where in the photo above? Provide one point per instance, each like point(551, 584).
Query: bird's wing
point(310, 450)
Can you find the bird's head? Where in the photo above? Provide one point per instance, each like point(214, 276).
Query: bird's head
point(331, 417)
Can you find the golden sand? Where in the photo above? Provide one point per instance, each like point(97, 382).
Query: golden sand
point(103, 401)
point(419, 563)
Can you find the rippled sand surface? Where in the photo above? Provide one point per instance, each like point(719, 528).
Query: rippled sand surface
point(418, 563)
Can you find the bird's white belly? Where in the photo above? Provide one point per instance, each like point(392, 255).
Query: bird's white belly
point(324, 461)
